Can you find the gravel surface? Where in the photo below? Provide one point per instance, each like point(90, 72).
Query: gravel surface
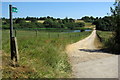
point(87, 61)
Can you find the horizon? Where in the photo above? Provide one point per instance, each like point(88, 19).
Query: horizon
point(75, 10)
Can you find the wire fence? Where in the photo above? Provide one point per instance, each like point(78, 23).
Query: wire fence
point(43, 34)
point(47, 34)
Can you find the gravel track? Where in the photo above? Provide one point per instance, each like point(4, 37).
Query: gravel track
point(87, 61)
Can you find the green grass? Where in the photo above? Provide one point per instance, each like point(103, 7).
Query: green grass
point(108, 42)
point(105, 35)
point(42, 55)
point(87, 24)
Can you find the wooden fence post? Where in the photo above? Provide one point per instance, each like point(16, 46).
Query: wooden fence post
point(58, 35)
point(15, 56)
point(49, 35)
point(70, 36)
point(15, 33)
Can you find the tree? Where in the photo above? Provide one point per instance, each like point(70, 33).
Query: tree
point(33, 20)
point(104, 23)
point(116, 24)
point(48, 23)
point(71, 20)
point(19, 20)
point(70, 25)
point(88, 19)
point(39, 25)
point(66, 19)
point(80, 24)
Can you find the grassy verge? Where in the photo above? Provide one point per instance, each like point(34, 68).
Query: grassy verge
point(105, 35)
point(108, 41)
point(42, 55)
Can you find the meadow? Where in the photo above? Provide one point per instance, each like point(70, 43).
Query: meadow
point(42, 54)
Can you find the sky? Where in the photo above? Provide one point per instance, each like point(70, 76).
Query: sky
point(58, 0)
point(74, 10)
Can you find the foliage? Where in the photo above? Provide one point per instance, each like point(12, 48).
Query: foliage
point(113, 43)
point(104, 23)
point(49, 22)
point(108, 41)
point(116, 23)
point(88, 19)
point(80, 24)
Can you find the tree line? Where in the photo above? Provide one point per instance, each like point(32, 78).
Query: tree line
point(48, 22)
point(104, 24)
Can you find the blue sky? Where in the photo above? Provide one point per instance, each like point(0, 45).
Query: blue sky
point(58, 9)
point(58, 0)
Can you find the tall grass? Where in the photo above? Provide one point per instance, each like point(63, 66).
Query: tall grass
point(105, 35)
point(42, 55)
point(108, 41)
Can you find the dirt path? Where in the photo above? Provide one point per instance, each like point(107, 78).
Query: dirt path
point(87, 61)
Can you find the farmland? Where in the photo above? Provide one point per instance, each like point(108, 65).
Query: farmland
point(87, 24)
point(41, 55)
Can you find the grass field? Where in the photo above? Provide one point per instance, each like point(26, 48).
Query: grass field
point(87, 24)
point(41, 56)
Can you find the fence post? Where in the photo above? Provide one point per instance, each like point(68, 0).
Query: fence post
point(15, 50)
point(15, 33)
point(58, 35)
point(70, 36)
point(49, 35)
